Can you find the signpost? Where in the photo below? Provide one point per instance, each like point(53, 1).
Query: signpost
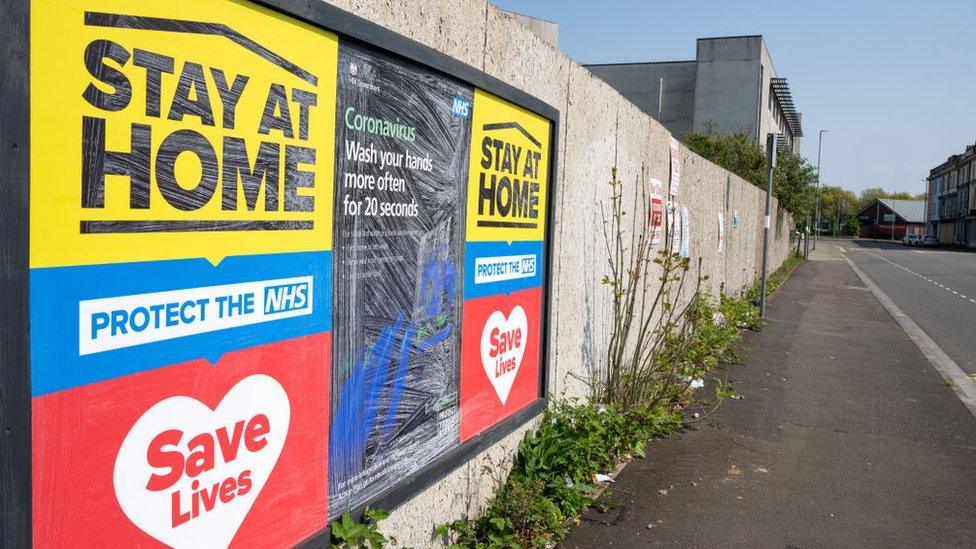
point(770, 164)
point(890, 219)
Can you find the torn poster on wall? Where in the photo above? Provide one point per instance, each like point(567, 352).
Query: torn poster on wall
point(721, 233)
point(675, 167)
point(656, 210)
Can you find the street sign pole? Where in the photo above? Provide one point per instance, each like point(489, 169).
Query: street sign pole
point(770, 164)
point(816, 228)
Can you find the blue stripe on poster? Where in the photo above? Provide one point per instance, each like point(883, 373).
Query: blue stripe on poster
point(96, 322)
point(492, 268)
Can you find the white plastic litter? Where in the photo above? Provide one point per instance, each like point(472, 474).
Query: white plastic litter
point(697, 383)
point(600, 477)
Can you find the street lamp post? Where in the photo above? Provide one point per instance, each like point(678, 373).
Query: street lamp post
point(816, 228)
point(925, 215)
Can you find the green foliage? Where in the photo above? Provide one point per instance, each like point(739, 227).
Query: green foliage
point(552, 478)
point(794, 179)
point(646, 318)
point(347, 533)
point(853, 226)
point(775, 279)
point(737, 153)
point(836, 206)
point(794, 184)
point(741, 313)
point(869, 194)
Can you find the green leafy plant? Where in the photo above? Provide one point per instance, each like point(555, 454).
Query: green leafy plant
point(657, 350)
point(348, 533)
point(552, 477)
point(794, 179)
point(649, 325)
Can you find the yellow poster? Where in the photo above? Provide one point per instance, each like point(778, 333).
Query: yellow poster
point(178, 129)
point(508, 172)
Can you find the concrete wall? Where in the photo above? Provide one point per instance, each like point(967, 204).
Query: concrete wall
point(599, 129)
point(641, 84)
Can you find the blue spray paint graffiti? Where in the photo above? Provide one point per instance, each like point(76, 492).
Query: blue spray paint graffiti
point(371, 385)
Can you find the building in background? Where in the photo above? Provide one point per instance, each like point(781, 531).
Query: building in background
point(731, 86)
point(547, 31)
point(952, 199)
point(887, 218)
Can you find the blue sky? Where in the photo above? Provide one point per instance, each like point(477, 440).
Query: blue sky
point(894, 82)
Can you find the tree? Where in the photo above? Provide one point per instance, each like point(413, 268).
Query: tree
point(836, 205)
point(871, 193)
point(853, 226)
point(794, 179)
point(795, 184)
point(737, 153)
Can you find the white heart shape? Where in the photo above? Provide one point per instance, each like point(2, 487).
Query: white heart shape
point(502, 347)
point(256, 450)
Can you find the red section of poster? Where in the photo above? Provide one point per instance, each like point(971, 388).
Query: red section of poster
point(232, 453)
point(499, 358)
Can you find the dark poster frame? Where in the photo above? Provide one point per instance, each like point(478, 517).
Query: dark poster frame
point(15, 394)
point(15, 402)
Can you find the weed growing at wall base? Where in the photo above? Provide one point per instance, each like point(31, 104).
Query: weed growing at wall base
point(552, 479)
point(347, 533)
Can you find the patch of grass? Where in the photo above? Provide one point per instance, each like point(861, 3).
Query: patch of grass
point(776, 278)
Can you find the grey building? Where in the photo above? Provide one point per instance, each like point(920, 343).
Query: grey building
point(731, 86)
point(952, 199)
point(547, 31)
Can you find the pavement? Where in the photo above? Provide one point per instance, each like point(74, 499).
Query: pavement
point(935, 287)
point(846, 437)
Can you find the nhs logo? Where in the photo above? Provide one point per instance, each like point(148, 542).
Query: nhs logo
point(461, 108)
point(286, 297)
point(503, 268)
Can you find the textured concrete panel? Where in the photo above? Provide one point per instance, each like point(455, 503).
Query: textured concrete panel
point(580, 315)
point(516, 56)
point(454, 27)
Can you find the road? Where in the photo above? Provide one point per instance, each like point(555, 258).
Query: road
point(936, 288)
